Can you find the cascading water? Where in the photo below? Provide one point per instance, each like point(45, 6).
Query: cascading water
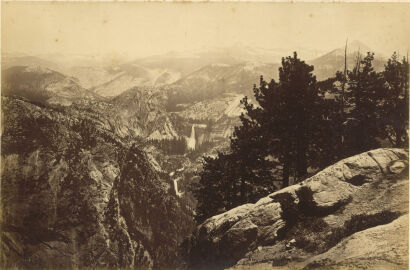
point(191, 140)
point(179, 194)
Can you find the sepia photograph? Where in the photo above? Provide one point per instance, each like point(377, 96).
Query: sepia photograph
point(204, 135)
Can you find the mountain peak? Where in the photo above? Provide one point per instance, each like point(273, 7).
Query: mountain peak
point(352, 48)
point(357, 45)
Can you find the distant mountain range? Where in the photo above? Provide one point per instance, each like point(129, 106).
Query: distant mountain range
point(233, 69)
point(137, 96)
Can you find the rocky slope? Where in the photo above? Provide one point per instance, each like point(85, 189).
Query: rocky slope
point(138, 112)
point(214, 80)
point(132, 75)
point(352, 215)
point(74, 194)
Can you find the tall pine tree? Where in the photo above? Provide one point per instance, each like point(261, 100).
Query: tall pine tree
point(281, 130)
point(363, 96)
point(395, 103)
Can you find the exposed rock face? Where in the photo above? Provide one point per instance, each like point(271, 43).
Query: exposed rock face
point(141, 112)
point(73, 194)
point(329, 220)
point(380, 247)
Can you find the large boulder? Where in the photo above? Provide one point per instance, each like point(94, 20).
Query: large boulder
point(380, 247)
point(313, 223)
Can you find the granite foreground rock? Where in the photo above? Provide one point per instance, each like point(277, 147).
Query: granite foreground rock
point(351, 215)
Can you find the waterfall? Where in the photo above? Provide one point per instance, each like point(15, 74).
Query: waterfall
point(179, 194)
point(191, 140)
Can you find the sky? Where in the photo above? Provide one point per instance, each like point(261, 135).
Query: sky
point(141, 29)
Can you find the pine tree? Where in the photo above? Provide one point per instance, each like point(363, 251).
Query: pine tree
point(363, 96)
point(217, 190)
point(249, 152)
point(283, 129)
point(299, 84)
point(289, 116)
point(396, 101)
point(329, 135)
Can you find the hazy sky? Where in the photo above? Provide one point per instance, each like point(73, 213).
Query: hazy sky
point(140, 29)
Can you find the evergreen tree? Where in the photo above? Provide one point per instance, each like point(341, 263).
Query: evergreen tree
point(283, 129)
point(364, 96)
point(396, 101)
point(217, 190)
point(299, 86)
point(289, 117)
point(329, 136)
point(249, 152)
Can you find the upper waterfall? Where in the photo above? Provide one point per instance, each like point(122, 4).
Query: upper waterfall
point(191, 141)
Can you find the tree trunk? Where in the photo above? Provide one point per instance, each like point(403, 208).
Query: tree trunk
point(301, 144)
point(301, 166)
point(286, 172)
point(398, 134)
point(243, 191)
point(301, 162)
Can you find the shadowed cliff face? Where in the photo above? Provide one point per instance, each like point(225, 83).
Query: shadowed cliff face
point(73, 194)
point(326, 222)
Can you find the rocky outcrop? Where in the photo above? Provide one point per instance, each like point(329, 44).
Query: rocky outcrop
point(74, 194)
point(380, 247)
point(322, 222)
point(140, 111)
